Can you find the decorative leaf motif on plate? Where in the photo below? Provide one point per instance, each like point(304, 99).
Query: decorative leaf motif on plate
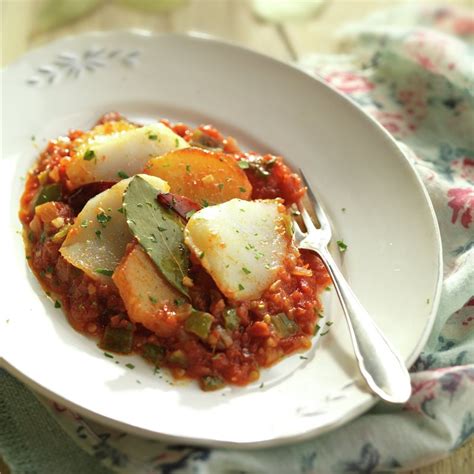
point(73, 65)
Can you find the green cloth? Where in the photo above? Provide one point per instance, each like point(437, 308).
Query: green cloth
point(31, 440)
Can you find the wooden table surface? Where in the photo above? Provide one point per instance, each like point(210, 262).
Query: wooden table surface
point(229, 19)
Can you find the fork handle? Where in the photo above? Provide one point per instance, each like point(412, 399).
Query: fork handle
point(381, 367)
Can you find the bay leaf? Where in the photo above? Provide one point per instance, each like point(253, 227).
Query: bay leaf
point(159, 231)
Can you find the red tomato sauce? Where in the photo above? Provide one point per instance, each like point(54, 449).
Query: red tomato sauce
point(232, 356)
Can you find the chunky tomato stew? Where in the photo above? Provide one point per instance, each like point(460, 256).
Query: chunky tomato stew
point(171, 242)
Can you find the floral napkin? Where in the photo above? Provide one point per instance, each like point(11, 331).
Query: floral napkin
point(413, 70)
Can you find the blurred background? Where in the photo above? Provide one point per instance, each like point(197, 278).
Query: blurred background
point(285, 29)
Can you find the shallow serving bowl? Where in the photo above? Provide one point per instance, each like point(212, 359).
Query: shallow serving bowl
point(393, 261)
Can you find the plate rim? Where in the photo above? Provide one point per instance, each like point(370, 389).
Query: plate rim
point(378, 128)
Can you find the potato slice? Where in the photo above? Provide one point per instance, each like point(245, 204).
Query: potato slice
point(103, 156)
point(241, 244)
point(144, 290)
point(203, 176)
point(100, 233)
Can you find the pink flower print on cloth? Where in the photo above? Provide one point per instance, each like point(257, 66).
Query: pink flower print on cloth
point(462, 203)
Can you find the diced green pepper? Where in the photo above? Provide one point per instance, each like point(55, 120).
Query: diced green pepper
point(202, 140)
point(199, 323)
point(59, 236)
point(283, 325)
point(211, 382)
point(153, 353)
point(52, 192)
point(178, 358)
point(231, 320)
point(117, 339)
point(262, 167)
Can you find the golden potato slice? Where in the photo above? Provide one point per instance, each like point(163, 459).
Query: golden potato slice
point(203, 176)
point(144, 290)
point(97, 240)
point(104, 157)
point(241, 244)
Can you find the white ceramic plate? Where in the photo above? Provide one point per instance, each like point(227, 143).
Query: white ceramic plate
point(393, 261)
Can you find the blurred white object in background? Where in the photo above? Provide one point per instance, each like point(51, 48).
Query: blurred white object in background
point(284, 10)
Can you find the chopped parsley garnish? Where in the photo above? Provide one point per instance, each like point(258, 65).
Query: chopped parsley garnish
point(152, 136)
point(110, 356)
point(188, 168)
point(246, 270)
point(328, 325)
point(103, 219)
point(317, 313)
point(152, 299)
point(176, 142)
point(120, 209)
point(243, 164)
point(189, 214)
point(220, 186)
point(129, 366)
point(103, 271)
point(303, 358)
point(242, 189)
point(241, 287)
point(342, 246)
point(178, 302)
point(205, 203)
point(161, 229)
point(261, 385)
point(98, 233)
point(201, 255)
point(89, 155)
point(84, 223)
point(122, 174)
point(57, 304)
point(343, 209)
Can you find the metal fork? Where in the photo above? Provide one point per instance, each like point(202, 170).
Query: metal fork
point(381, 367)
